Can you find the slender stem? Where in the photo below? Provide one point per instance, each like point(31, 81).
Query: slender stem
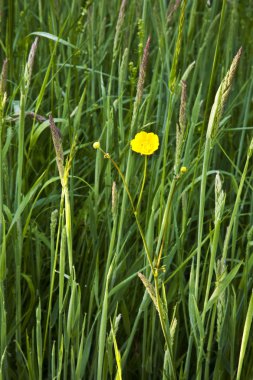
point(106, 155)
point(164, 330)
point(165, 147)
point(143, 183)
point(53, 270)
point(144, 243)
point(214, 247)
point(209, 344)
point(165, 222)
point(18, 253)
point(235, 210)
point(201, 211)
point(1, 172)
point(152, 267)
point(68, 227)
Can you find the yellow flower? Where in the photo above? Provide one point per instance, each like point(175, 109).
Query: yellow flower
point(183, 169)
point(145, 143)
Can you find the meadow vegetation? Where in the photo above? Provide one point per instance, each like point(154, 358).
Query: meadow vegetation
point(119, 262)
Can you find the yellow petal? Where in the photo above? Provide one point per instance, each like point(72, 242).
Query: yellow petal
point(145, 143)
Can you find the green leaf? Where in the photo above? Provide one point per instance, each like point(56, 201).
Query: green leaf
point(222, 286)
point(53, 38)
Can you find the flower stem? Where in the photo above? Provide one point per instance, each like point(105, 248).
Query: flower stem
point(143, 183)
point(107, 155)
point(164, 231)
point(135, 212)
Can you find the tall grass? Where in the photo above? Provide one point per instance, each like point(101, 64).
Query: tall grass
point(113, 265)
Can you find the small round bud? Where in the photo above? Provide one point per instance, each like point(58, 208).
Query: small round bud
point(96, 145)
point(155, 272)
point(163, 268)
point(183, 169)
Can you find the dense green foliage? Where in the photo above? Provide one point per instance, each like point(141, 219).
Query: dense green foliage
point(78, 226)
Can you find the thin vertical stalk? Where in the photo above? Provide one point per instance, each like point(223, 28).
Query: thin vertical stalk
point(1, 174)
point(211, 267)
point(165, 148)
point(164, 329)
point(165, 227)
point(68, 227)
point(19, 246)
point(237, 202)
point(39, 340)
point(19, 180)
point(209, 344)
point(143, 183)
point(129, 164)
point(245, 337)
point(106, 155)
point(53, 263)
point(201, 211)
point(213, 73)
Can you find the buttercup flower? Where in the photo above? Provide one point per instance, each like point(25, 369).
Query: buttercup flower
point(145, 143)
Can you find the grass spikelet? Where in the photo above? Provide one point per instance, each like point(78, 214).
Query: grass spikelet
point(219, 199)
point(181, 127)
point(221, 97)
point(182, 112)
point(119, 25)
point(172, 9)
point(221, 302)
point(30, 63)
point(58, 148)
point(3, 77)
point(142, 72)
point(114, 199)
point(150, 289)
point(173, 72)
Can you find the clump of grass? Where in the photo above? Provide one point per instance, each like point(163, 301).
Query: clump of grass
point(113, 265)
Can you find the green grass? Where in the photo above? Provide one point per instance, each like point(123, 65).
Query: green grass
point(113, 266)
